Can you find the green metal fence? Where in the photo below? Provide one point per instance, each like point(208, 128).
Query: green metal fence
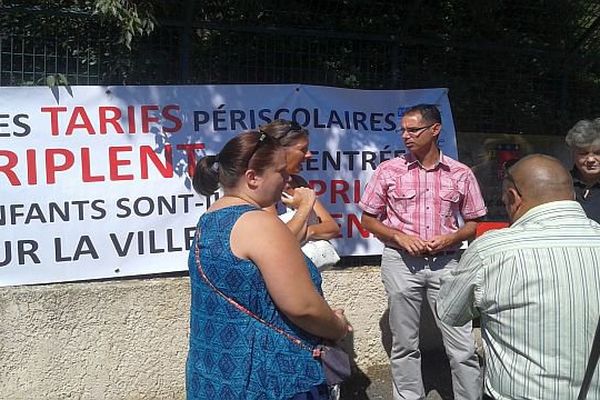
point(509, 68)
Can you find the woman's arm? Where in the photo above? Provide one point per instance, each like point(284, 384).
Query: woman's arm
point(264, 239)
point(302, 201)
point(327, 228)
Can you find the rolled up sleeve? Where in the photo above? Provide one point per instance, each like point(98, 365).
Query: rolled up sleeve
point(473, 206)
point(374, 198)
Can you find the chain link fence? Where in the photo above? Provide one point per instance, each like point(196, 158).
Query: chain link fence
point(530, 67)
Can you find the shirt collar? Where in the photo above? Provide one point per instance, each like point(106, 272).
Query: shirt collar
point(412, 160)
point(568, 209)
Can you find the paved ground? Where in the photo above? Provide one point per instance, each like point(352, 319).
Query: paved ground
point(375, 384)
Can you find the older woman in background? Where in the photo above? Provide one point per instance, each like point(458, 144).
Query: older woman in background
point(584, 141)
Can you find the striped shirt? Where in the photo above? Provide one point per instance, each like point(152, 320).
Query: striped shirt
point(536, 287)
point(423, 202)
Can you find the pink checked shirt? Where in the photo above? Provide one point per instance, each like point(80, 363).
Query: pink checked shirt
point(425, 203)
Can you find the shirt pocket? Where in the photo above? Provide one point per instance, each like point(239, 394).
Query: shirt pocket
point(449, 200)
point(403, 200)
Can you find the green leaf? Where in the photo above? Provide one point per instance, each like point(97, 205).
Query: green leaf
point(51, 81)
point(62, 80)
point(128, 38)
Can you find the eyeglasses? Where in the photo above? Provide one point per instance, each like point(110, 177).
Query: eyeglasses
point(414, 132)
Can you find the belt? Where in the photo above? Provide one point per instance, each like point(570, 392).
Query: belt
point(445, 253)
point(438, 254)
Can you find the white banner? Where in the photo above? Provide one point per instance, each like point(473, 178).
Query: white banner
point(95, 181)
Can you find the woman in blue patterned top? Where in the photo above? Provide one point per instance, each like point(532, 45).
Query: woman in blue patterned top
point(245, 256)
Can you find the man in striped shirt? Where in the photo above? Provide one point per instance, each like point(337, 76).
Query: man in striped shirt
point(413, 204)
point(535, 286)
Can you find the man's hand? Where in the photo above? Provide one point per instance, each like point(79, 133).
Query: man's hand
point(414, 245)
point(439, 243)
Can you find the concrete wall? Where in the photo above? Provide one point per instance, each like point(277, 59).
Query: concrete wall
point(128, 339)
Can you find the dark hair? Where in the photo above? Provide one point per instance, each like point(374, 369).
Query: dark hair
point(429, 113)
point(248, 150)
point(284, 131)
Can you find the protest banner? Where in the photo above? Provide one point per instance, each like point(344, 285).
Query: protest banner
point(96, 180)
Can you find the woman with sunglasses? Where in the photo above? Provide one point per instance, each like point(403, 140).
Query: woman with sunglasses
point(309, 220)
point(257, 309)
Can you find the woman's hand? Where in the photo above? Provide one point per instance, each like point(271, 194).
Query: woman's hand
point(301, 198)
point(347, 328)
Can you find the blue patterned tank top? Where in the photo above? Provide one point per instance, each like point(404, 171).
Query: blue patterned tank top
point(231, 355)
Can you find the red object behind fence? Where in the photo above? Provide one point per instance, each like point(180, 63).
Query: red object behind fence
point(483, 227)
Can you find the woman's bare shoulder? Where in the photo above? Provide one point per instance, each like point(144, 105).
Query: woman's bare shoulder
point(255, 233)
point(260, 222)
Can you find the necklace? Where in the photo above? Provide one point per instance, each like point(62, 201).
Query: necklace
point(236, 199)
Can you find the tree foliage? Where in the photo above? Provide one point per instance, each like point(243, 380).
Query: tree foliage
point(131, 19)
point(532, 64)
point(134, 19)
point(77, 35)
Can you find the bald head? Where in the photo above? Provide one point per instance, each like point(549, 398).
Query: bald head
point(542, 179)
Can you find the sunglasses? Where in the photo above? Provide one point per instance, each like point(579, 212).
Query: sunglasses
point(293, 126)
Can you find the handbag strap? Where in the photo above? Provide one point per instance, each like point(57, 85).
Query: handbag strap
point(591, 367)
point(315, 351)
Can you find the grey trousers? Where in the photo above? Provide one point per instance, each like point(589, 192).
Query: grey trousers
point(407, 280)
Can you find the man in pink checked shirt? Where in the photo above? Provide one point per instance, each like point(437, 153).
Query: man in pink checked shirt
point(422, 206)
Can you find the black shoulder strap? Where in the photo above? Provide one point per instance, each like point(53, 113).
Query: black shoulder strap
point(591, 367)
